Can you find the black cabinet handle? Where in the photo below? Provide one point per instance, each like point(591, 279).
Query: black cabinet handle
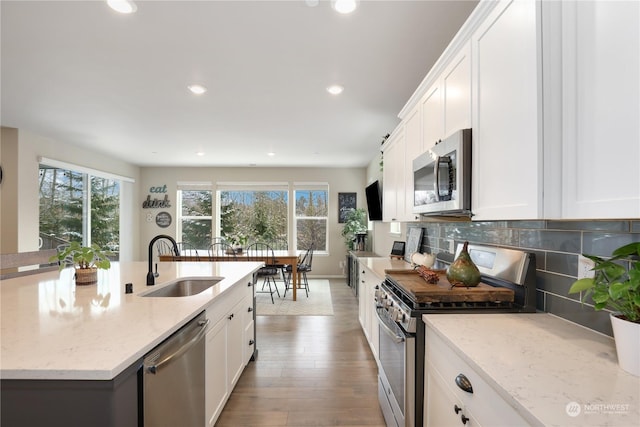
point(463, 382)
point(250, 309)
point(251, 342)
point(457, 408)
point(249, 284)
point(230, 316)
point(464, 419)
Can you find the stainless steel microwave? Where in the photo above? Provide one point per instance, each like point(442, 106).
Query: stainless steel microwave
point(442, 177)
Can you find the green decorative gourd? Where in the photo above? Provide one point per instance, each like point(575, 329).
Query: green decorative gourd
point(463, 272)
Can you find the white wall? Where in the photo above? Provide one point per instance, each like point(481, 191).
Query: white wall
point(24, 203)
point(340, 180)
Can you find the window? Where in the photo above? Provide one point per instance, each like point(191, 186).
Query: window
point(253, 212)
point(311, 216)
point(78, 206)
point(194, 217)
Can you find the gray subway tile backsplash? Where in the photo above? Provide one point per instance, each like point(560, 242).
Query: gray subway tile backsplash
point(556, 245)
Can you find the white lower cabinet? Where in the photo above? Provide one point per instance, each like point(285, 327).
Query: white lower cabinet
point(443, 408)
point(366, 307)
point(229, 346)
point(447, 404)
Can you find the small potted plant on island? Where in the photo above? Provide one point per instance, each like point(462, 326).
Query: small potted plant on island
point(617, 288)
point(238, 241)
point(85, 259)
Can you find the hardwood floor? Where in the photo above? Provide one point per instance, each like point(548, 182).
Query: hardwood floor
point(311, 371)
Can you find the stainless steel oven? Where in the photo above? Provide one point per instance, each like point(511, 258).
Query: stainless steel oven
point(397, 370)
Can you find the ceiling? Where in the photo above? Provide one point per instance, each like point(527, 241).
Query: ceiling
point(80, 73)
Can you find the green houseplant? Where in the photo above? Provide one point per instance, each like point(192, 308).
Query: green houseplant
point(355, 223)
point(85, 259)
point(617, 288)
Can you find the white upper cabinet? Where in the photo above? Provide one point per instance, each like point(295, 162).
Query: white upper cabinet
point(551, 92)
point(506, 114)
point(413, 148)
point(432, 116)
point(601, 109)
point(393, 173)
point(456, 91)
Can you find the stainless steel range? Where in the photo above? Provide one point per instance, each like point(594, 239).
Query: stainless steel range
point(508, 285)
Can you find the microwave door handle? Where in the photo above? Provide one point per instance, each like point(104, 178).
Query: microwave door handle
point(450, 177)
point(436, 173)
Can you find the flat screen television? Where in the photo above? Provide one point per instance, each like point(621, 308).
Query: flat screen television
point(374, 201)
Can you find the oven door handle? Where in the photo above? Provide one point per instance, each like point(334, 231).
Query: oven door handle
point(383, 322)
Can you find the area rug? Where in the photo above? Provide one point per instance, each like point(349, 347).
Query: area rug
point(318, 303)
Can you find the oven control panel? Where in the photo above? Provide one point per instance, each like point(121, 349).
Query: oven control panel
point(394, 308)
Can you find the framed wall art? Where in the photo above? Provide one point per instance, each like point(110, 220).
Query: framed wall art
point(346, 202)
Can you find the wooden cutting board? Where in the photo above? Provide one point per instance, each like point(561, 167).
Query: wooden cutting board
point(424, 292)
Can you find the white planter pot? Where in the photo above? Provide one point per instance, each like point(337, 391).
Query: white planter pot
point(627, 338)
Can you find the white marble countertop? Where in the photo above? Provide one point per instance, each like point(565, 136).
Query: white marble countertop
point(540, 364)
point(379, 264)
point(52, 329)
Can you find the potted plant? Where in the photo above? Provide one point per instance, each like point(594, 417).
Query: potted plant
point(355, 223)
point(85, 259)
point(237, 241)
point(617, 288)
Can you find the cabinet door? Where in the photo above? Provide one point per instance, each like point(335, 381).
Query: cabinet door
point(507, 145)
point(374, 331)
point(249, 330)
point(601, 107)
point(216, 390)
point(235, 343)
point(393, 176)
point(441, 407)
point(456, 87)
point(432, 117)
point(362, 300)
point(413, 148)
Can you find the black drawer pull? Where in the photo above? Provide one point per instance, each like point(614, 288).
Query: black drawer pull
point(457, 408)
point(463, 382)
point(463, 419)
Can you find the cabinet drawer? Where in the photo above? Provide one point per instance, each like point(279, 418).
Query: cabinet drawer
point(487, 406)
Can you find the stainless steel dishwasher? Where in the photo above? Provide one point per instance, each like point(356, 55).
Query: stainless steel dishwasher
point(173, 378)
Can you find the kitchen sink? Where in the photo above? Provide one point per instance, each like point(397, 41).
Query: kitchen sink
point(182, 288)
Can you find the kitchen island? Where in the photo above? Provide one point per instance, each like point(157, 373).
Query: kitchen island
point(54, 332)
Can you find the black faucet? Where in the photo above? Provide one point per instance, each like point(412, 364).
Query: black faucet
point(151, 277)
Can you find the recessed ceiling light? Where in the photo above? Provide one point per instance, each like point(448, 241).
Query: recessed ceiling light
point(200, 153)
point(122, 6)
point(197, 89)
point(335, 89)
point(344, 6)
point(271, 154)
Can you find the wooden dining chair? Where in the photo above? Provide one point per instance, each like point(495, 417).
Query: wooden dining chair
point(271, 270)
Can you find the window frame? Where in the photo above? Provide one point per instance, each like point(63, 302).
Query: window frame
point(193, 186)
point(311, 186)
point(87, 175)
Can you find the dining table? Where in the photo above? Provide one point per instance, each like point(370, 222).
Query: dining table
point(281, 258)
